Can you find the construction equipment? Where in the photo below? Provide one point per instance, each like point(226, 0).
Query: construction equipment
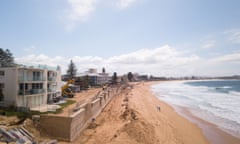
point(66, 89)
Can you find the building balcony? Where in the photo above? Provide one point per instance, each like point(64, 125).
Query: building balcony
point(51, 90)
point(30, 79)
point(52, 79)
point(31, 92)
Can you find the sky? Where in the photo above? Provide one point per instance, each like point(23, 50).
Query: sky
point(155, 37)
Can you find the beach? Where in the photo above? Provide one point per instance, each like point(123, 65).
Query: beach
point(134, 117)
point(211, 104)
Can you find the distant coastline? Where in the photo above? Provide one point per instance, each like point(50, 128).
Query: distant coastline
point(155, 78)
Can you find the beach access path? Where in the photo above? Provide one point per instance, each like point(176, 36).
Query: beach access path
point(133, 117)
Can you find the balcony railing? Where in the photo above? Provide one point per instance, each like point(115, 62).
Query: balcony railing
point(50, 90)
point(31, 92)
point(31, 79)
point(51, 78)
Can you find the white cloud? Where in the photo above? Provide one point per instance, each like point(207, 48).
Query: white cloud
point(125, 3)
point(30, 49)
point(41, 59)
point(87, 59)
point(162, 61)
point(146, 56)
point(234, 35)
point(209, 44)
point(232, 58)
point(79, 10)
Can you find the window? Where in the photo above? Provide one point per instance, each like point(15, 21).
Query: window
point(36, 73)
point(1, 85)
point(37, 85)
point(26, 86)
point(1, 95)
point(36, 76)
point(2, 73)
point(21, 86)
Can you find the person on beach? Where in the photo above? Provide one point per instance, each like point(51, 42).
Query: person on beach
point(158, 108)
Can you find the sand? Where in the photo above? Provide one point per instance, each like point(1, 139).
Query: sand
point(133, 118)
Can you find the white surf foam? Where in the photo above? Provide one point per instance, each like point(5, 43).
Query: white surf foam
point(220, 108)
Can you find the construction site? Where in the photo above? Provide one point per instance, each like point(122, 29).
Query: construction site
point(66, 125)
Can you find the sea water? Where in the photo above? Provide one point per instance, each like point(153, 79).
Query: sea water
point(215, 101)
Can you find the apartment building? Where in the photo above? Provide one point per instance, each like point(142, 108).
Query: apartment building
point(95, 78)
point(29, 86)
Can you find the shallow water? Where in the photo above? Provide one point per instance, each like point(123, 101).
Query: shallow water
point(216, 101)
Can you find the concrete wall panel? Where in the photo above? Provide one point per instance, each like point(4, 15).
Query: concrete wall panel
point(68, 128)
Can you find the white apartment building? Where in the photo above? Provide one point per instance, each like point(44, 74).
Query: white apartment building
point(29, 86)
point(95, 78)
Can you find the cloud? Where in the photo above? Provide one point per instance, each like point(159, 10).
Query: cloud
point(209, 44)
point(79, 10)
point(229, 58)
point(41, 59)
point(146, 56)
point(30, 49)
point(125, 3)
point(87, 59)
point(162, 61)
point(234, 35)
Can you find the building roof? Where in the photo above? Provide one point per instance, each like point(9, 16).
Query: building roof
point(40, 67)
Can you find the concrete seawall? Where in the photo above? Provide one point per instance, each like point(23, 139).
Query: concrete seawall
point(56, 126)
point(69, 128)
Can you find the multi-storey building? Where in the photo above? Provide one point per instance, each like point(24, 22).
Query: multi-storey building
point(95, 79)
point(29, 86)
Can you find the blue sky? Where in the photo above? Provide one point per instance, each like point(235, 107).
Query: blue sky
point(160, 37)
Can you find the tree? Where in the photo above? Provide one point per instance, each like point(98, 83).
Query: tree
point(130, 76)
point(114, 78)
point(6, 58)
point(72, 70)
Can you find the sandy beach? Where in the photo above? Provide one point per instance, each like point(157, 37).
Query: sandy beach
point(141, 122)
point(133, 118)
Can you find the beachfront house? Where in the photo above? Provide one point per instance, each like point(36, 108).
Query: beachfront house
point(29, 86)
point(95, 78)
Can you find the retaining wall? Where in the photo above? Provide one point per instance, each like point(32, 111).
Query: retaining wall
point(77, 124)
point(56, 126)
point(68, 128)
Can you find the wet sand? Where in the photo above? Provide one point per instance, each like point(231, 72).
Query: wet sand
point(214, 134)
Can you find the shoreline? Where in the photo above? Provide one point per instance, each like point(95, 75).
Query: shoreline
point(182, 130)
point(133, 117)
point(212, 132)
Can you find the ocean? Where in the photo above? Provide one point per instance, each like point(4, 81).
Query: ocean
point(215, 101)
